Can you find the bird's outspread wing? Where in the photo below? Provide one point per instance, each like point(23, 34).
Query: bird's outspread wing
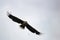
point(15, 19)
point(32, 29)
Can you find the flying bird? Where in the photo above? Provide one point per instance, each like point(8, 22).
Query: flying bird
point(23, 24)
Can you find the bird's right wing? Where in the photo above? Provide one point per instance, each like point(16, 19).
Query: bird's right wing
point(32, 29)
point(15, 19)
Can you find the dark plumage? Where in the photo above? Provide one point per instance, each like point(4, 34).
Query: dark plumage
point(23, 24)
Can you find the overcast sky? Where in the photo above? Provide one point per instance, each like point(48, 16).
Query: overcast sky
point(43, 15)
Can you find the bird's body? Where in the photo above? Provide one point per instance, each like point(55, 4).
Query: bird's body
point(23, 24)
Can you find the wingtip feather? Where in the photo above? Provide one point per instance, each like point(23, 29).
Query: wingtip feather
point(8, 13)
point(38, 33)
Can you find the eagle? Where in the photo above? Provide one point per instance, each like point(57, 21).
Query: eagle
point(23, 23)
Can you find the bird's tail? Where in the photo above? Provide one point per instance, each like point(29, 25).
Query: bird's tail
point(22, 26)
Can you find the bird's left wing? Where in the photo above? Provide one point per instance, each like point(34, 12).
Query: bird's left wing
point(15, 19)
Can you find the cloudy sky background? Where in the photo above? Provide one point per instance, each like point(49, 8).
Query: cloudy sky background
point(43, 15)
